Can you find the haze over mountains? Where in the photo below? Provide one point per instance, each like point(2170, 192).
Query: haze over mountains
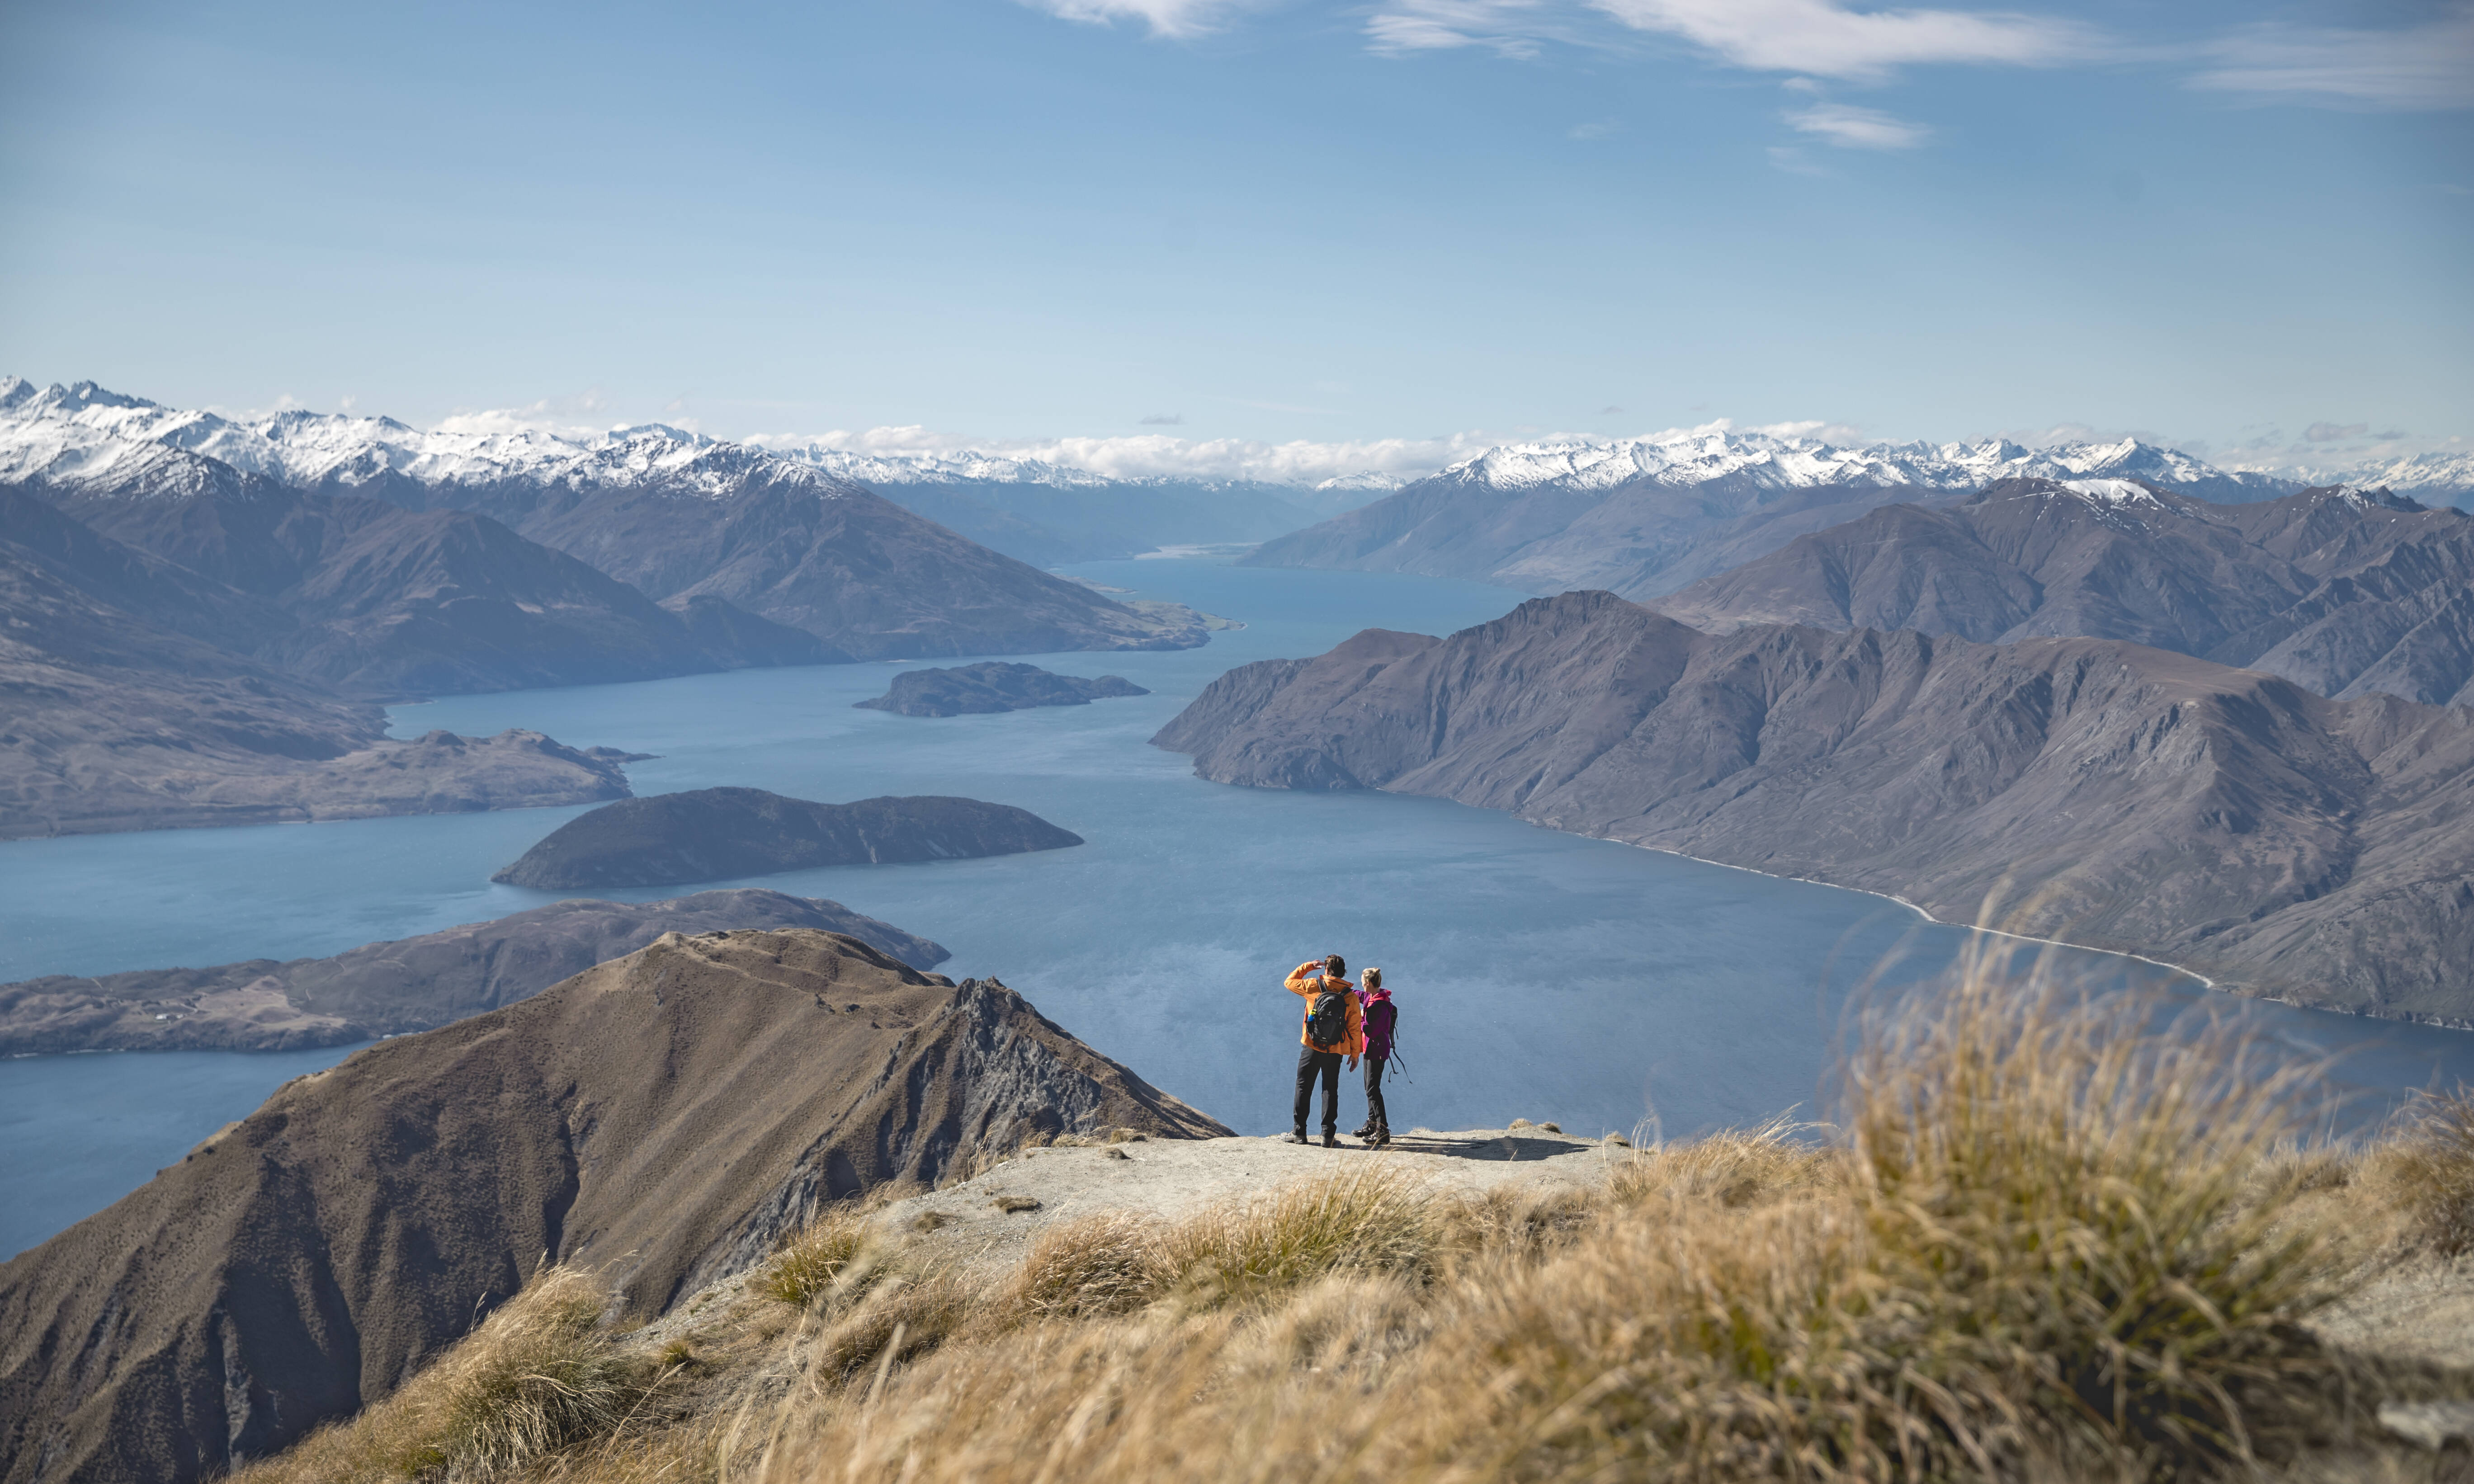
point(2288, 845)
point(1643, 517)
point(2341, 591)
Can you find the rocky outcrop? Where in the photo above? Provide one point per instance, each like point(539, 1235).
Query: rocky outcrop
point(977, 689)
point(2344, 592)
point(2315, 850)
point(718, 834)
point(389, 988)
point(665, 1118)
point(115, 718)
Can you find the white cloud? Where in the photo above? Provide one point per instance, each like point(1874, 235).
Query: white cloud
point(1164, 17)
point(558, 416)
point(1852, 128)
point(1825, 38)
point(1157, 455)
point(1509, 28)
point(2425, 66)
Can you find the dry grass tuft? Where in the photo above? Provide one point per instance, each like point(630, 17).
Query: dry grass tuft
point(538, 1375)
point(810, 1263)
point(2427, 1171)
point(1369, 1219)
point(1104, 1264)
point(1733, 1168)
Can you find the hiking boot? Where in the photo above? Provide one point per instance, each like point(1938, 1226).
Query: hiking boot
point(1297, 1136)
point(1330, 1139)
point(1364, 1129)
point(1380, 1137)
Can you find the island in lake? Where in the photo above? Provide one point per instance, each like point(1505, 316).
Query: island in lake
point(720, 834)
point(977, 689)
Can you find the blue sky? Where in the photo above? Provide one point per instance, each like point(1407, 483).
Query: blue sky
point(2215, 223)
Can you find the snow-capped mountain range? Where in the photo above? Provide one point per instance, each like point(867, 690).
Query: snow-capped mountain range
point(1763, 460)
point(84, 434)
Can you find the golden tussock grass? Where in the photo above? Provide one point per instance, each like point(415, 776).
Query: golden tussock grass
point(540, 1373)
point(2034, 1247)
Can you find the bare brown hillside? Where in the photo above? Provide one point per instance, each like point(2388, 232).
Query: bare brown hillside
point(663, 1118)
point(2310, 849)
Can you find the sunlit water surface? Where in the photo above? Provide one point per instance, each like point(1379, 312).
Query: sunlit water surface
point(1540, 974)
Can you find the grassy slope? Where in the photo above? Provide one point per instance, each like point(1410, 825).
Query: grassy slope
point(2032, 1249)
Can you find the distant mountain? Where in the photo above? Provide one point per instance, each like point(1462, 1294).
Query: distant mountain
point(2430, 478)
point(665, 1118)
point(389, 988)
point(2344, 592)
point(2290, 846)
point(1053, 513)
point(678, 517)
point(1646, 516)
point(113, 716)
point(389, 603)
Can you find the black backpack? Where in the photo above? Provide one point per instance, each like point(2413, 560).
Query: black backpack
point(1327, 1022)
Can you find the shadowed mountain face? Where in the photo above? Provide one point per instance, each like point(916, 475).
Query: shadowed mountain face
point(670, 1114)
point(2292, 845)
point(388, 602)
point(803, 549)
point(115, 717)
point(1645, 516)
point(2340, 592)
point(1638, 539)
point(717, 834)
point(992, 686)
point(1097, 520)
point(388, 988)
point(680, 518)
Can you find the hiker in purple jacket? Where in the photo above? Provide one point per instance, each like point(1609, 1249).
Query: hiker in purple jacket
point(1381, 1015)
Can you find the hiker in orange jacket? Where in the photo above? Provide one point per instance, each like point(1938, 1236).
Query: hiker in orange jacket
point(1335, 1029)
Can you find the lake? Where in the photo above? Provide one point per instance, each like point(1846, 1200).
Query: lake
point(1540, 975)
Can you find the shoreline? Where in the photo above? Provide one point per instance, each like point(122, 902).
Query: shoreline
point(2210, 985)
point(1996, 932)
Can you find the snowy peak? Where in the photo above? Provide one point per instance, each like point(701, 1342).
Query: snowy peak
point(2114, 494)
point(1703, 456)
point(84, 435)
point(966, 467)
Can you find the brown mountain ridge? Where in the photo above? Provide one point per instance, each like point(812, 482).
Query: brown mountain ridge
point(2344, 592)
point(665, 1117)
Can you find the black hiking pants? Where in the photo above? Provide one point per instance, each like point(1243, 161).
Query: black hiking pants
point(1325, 1064)
point(1374, 1114)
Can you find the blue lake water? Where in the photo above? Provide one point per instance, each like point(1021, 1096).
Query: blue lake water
point(1541, 976)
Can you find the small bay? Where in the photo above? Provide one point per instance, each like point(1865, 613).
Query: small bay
point(1541, 976)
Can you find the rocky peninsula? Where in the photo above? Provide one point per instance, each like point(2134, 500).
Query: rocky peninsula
point(718, 834)
point(387, 988)
point(979, 689)
point(2120, 797)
